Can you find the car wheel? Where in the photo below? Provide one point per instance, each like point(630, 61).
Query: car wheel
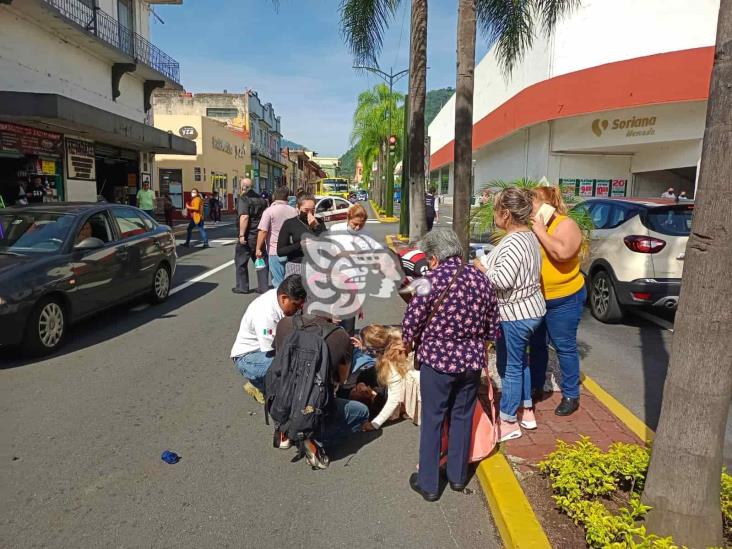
point(603, 300)
point(161, 284)
point(46, 328)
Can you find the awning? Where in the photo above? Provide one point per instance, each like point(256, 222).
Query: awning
point(56, 113)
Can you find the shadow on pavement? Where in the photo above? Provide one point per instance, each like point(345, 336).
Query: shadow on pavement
point(112, 323)
point(347, 448)
point(655, 358)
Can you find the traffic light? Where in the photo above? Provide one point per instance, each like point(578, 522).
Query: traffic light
point(392, 144)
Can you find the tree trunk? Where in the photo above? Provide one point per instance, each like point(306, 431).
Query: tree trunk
point(684, 477)
point(417, 98)
point(404, 205)
point(464, 122)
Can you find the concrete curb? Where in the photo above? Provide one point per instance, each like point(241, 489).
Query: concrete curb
point(625, 416)
point(382, 218)
point(512, 512)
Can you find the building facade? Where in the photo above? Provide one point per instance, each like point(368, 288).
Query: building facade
point(329, 164)
point(75, 90)
point(218, 167)
point(268, 165)
point(604, 107)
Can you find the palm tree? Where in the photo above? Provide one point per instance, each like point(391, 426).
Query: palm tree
point(510, 26)
point(683, 482)
point(363, 23)
point(371, 126)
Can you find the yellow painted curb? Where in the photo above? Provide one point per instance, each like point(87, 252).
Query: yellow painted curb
point(512, 512)
point(631, 421)
point(382, 218)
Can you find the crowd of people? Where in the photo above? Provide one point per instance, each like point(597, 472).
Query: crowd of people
point(528, 291)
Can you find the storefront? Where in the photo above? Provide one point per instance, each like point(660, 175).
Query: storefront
point(30, 157)
point(221, 163)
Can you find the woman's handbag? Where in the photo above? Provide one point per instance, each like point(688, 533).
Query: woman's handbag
point(433, 312)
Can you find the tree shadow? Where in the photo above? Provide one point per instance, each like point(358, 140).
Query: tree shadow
point(655, 359)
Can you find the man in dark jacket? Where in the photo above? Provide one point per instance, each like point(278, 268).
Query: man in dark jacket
point(249, 209)
point(431, 207)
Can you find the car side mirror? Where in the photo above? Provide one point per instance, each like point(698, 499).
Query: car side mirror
point(91, 243)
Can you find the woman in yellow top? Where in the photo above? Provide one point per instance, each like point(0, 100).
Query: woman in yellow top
point(194, 208)
point(564, 291)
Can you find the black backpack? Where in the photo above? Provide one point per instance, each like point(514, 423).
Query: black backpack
point(298, 387)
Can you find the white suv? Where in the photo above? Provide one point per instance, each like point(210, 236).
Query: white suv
point(636, 254)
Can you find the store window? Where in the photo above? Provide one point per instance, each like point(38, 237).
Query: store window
point(171, 184)
point(130, 224)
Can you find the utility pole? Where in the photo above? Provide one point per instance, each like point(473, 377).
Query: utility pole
point(404, 213)
point(390, 78)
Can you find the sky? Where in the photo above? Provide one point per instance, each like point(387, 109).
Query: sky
point(295, 58)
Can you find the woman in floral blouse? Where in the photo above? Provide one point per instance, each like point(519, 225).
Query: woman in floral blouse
point(451, 353)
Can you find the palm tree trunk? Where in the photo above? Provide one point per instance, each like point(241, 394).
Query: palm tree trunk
point(684, 477)
point(464, 121)
point(417, 99)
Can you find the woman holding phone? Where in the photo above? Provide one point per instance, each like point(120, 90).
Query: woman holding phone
point(564, 291)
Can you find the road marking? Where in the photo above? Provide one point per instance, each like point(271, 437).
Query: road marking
point(665, 324)
point(200, 277)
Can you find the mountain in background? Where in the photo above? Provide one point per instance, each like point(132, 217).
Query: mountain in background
point(436, 99)
point(286, 143)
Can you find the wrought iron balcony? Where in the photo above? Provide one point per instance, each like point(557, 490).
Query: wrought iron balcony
point(105, 27)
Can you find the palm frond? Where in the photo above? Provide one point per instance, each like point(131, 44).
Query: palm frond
point(509, 25)
point(363, 23)
point(551, 10)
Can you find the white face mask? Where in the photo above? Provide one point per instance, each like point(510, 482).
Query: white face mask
point(194, 194)
point(351, 230)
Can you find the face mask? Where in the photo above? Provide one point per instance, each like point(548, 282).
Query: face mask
point(194, 195)
point(304, 217)
point(351, 230)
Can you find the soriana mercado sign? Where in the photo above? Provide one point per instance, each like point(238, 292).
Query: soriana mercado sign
point(29, 141)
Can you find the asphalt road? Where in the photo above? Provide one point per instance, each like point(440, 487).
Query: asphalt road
point(83, 431)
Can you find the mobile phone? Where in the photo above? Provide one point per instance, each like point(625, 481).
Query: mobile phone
point(546, 212)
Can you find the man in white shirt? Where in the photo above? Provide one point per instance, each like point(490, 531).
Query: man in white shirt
point(669, 193)
point(252, 351)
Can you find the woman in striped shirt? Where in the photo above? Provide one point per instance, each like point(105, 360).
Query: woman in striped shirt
point(514, 269)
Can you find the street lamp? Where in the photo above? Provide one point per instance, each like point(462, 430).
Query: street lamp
point(390, 78)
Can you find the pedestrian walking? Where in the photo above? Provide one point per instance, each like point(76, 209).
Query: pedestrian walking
point(669, 193)
point(249, 210)
point(514, 269)
point(448, 327)
point(294, 229)
point(564, 290)
point(432, 207)
point(269, 231)
point(168, 210)
point(146, 199)
point(194, 210)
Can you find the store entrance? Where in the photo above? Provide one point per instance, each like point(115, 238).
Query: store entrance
point(652, 184)
point(117, 174)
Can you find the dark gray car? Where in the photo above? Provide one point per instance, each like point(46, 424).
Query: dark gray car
point(63, 262)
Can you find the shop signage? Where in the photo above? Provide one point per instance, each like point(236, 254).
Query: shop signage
point(224, 146)
point(633, 126)
point(602, 187)
point(23, 140)
point(586, 187)
point(619, 187)
point(189, 132)
point(569, 187)
point(80, 160)
point(48, 167)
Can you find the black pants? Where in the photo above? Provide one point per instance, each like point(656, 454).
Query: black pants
point(430, 222)
point(242, 254)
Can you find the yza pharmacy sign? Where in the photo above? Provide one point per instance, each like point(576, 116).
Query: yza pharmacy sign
point(633, 126)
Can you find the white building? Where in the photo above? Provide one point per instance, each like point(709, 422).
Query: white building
point(76, 78)
point(614, 103)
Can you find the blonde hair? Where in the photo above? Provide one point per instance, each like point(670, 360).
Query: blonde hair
point(388, 344)
point(357, 211)
point(552, 196)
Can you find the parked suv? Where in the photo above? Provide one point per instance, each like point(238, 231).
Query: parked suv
point(636, 254)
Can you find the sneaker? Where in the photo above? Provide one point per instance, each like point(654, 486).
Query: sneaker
point(284, 442)
point(315, 455)
point(527, 419)
point(508, 430)
point(253, 392)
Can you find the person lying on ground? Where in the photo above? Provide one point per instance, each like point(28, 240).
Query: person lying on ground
point(252, 351)
point(345, 416)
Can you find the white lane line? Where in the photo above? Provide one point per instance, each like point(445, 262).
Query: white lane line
point(665, 324)
point(200, 277)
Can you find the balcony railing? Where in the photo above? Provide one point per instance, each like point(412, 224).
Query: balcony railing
point(108, 29)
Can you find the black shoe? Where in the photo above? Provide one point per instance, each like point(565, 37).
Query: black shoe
point(238, 291)
point(206, 245)
point(414, 485)
point(567, 407)
point(457, 487)
point(537, 395)
point(186, 244)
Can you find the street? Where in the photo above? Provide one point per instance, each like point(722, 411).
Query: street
point(83, 432)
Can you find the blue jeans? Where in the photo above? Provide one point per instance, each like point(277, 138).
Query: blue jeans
point(191, 225)
point(442, 395)
point(361, 360)
point(560, 326)
point(254, 366)
point(512, 365)
point(277, 269)
point(345, 418)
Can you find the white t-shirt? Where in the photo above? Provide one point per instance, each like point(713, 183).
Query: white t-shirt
point(258, 325)
point(394, 399)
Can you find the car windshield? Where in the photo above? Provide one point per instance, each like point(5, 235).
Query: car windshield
point(335, 185)
point(670, 220)
point(34, 232)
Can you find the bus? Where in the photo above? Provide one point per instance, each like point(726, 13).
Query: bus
point(332, 186)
